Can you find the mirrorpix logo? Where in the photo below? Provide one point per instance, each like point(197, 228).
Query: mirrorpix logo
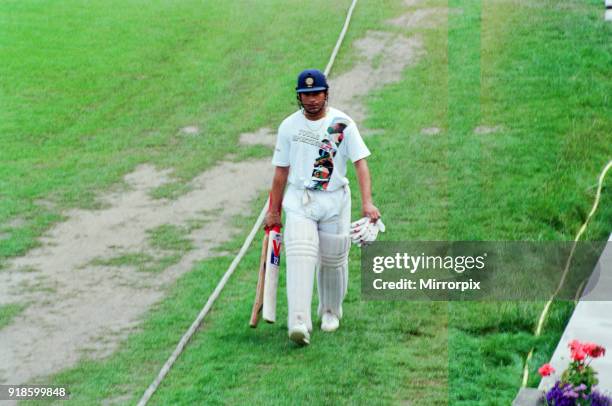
point(275, 252)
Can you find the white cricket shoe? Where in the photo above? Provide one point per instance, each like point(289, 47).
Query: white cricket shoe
point(329, 322)
point(299, 334)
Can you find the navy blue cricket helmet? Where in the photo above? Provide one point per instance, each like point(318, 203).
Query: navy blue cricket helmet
point(311, 80)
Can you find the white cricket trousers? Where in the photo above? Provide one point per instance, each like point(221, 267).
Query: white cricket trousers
point(317, 242)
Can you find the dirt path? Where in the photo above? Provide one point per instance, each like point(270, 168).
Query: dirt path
point(78, 306)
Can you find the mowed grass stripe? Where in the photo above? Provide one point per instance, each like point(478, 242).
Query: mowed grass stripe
point(535, 175)
point(374, 359)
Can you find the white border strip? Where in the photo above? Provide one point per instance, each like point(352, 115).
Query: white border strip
point(211, 300)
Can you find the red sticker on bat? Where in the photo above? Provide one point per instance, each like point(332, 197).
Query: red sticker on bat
point(275, 252)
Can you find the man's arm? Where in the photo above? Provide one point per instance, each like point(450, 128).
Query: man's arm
point(365, 185)
point(276, 196)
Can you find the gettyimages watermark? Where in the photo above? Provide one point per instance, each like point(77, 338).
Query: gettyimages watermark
point(485, 270)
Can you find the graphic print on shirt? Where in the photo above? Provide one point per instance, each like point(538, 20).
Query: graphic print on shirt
point(328, 147)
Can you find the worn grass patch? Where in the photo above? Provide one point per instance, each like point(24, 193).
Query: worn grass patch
point(9, 311)
point(170, 238)
point(168, 242)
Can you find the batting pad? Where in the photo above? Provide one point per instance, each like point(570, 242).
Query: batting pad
point(302, 251)
point(332, 275)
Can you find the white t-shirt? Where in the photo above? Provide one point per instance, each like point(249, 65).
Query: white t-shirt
point(317, 151)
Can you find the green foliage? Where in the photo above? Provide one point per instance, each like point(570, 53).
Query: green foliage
point(577, 373)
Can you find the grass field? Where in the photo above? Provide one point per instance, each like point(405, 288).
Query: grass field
point(107, 86)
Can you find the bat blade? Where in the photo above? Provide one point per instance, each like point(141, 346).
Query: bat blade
point(259, 291)
point(271, 280)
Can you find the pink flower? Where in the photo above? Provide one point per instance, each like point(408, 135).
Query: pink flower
point(546, 370)
point(574, 345)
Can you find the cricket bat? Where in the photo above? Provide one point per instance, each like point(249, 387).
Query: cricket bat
point(271, 275)
point(259, 291)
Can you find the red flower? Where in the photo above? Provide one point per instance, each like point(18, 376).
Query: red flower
point(599, 351)
point(546, 370)
point(593, 350)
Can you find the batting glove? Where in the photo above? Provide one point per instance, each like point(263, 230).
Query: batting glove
point(363, 231)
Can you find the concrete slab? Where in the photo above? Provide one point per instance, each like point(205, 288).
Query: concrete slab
point(591, 321)
point(529, 397)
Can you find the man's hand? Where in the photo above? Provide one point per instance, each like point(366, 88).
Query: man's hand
point(371, 211)
point(272, 219)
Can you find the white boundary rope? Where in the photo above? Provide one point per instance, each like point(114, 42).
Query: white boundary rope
point(347, 21)
point(245, 246)
point(546, 309)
